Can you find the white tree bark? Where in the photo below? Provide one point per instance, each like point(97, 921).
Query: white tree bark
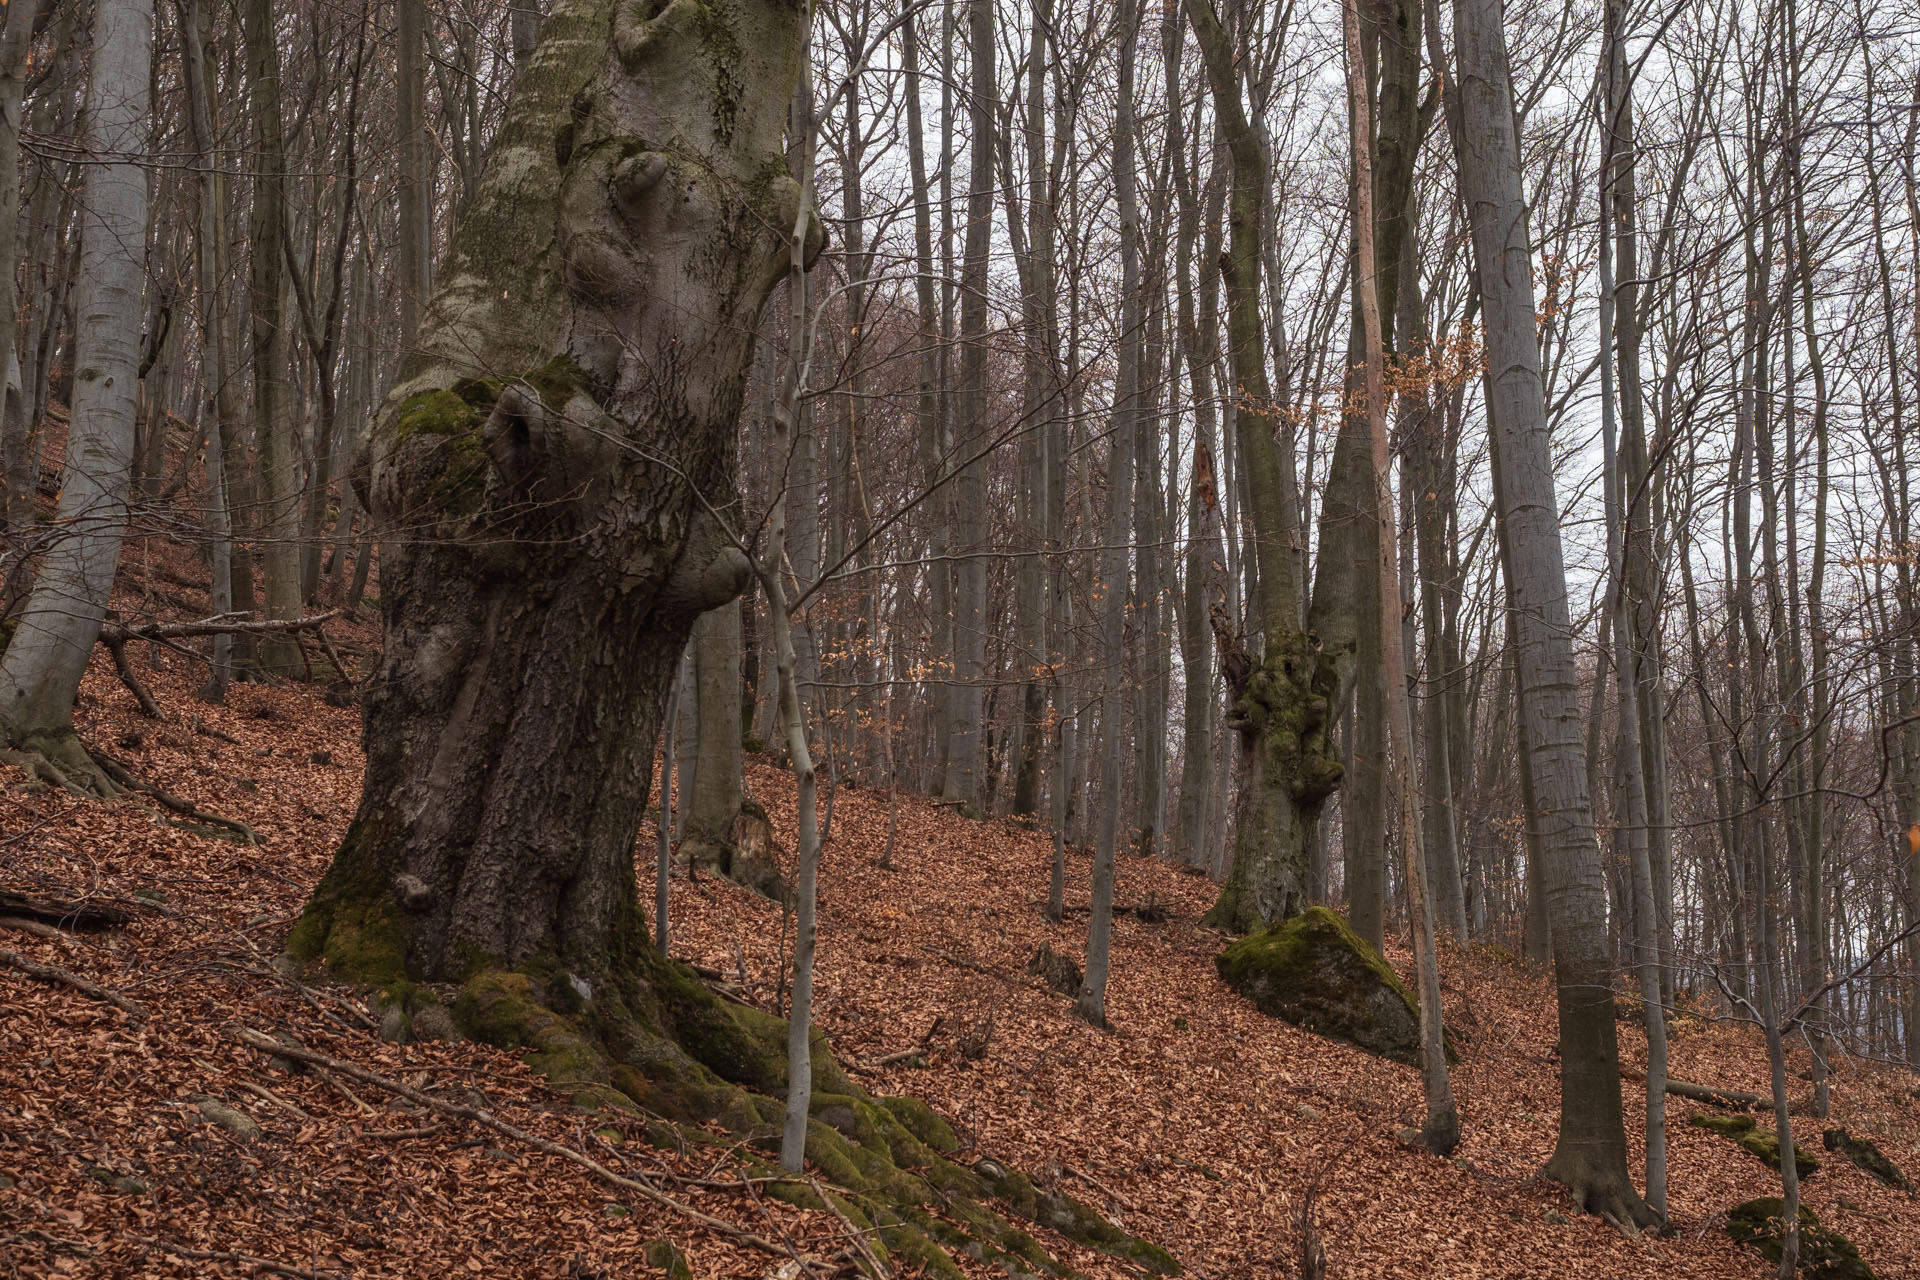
point(40, 674)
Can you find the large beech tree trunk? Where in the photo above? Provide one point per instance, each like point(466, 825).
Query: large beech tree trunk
point(546, 467)
point(1591, 1155)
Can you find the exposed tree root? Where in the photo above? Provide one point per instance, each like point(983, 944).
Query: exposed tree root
point(244, 1259)
point(58, 760)
point(125, 780)
point(644, 1035)
point(1609, 1197)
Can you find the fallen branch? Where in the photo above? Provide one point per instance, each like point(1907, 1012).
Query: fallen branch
point(858, 1237)
point(1714, 1097)
point(268, 1045)
point(34, 927)
point(117, 636)
point(395, 1135)
point(56, 976)
point(225, 624)
point(63, 913)
point(1073, 1171)
point(245, 1259)
point(921, 1050)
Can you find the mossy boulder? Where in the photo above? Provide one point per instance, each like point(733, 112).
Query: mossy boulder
point(665, 1256)
point(1317, 973)
point(1824, 1254)
point(1764, 1144)
point(1865, 1153)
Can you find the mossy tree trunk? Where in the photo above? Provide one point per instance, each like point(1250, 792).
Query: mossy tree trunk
point(547, 472)
point(1310, 655)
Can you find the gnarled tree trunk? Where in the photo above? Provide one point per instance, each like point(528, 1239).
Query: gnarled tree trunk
point(545, 471)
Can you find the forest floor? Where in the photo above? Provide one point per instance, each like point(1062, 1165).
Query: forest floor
point(1196, 1122)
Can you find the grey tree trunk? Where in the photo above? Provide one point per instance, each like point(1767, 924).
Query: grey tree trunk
point(1121, 439)
point(1591, 1155)
point(213, 365)
point(41, 669)
point(279, 491)
point(1441, 1134)
point(16, 477)
point(964, 775)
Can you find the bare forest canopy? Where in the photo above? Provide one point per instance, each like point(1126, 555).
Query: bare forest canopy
point(1451, 464)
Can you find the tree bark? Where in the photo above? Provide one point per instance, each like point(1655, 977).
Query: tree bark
point(1591, 1154)
point(557, 441)
point(41, 669)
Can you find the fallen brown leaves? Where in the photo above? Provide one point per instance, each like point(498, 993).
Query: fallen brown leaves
point(1197, 1123)
point(1200, 1123)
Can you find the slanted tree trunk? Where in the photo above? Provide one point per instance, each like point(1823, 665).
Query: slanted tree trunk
point(553, 444)
point(1591, 1154)
point(41, 669)
point(1441, 1134)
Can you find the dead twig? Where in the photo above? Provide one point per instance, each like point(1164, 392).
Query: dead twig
point(261, 1091)
point(874, 1265)
point(1075, 1172)
point(267, 1044)
point(244, 1259)
point(57, 976)
point(395, 1135)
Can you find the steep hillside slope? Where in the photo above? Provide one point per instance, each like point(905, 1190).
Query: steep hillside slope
point(1196, 1122)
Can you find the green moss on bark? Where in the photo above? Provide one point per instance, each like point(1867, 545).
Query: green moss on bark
point(356, 939)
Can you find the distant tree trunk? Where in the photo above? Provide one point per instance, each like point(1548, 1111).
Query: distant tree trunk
point(964, 774)
point(1205, 558)
point(415, 184)
point(1591, 1155)
point(271, 351)
point(16, 478)
point(41, 669)
point(930, 432)
point(214, 417)
point(595, 316)
point(1121, 439)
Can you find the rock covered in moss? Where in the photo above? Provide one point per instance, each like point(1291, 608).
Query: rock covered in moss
point(666, 1256)
point(1317, 973)
point(1764, 1144)
point(1865, 1153)
point(1824, 1254)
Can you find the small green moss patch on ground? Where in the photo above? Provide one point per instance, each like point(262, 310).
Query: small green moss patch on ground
point(1865, 1153)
